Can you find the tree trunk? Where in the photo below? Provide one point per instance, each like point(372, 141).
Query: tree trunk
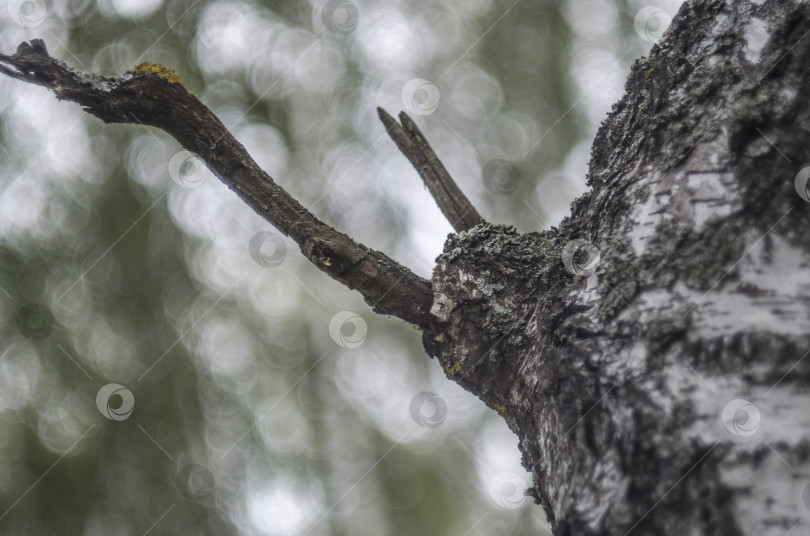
point(650, 354)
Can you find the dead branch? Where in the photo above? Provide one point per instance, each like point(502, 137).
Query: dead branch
point(157, 98)
point(451, 200)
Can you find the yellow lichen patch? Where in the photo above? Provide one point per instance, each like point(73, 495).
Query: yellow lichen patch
point(455, 368)
point(159, 68)
point(500, 408)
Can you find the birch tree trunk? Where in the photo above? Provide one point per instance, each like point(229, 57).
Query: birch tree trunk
point(651, 352)
point(657, 377)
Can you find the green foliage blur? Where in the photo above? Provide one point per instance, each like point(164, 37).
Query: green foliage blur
point(169, 364)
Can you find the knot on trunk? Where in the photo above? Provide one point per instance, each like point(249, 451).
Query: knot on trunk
point(494, 291)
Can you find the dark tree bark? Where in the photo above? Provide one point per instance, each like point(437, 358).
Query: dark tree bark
point(666, 393)
point(651, 352)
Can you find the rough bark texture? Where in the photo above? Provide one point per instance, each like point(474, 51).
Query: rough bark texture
point(650, 354)
point(616, 383)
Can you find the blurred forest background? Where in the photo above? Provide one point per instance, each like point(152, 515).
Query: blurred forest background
point(170, 364)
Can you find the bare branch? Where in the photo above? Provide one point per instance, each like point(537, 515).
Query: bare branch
point(451, 200)
point(155, 97)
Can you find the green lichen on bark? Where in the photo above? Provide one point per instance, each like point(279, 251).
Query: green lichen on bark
point(618, 276)
point(158, 68)
point(753, 108)
point(675, 252)
point(698, 259)
point(703, 8)
point(662, 332)
point(679, 117)
point(684, 118)
point(473, 272)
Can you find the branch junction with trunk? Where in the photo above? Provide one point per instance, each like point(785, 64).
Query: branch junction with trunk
point(650, 353)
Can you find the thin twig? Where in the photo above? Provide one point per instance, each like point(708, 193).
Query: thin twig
point(451, 200)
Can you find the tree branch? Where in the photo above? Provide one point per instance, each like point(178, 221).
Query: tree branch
point(451, 200)
point(154, 96)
